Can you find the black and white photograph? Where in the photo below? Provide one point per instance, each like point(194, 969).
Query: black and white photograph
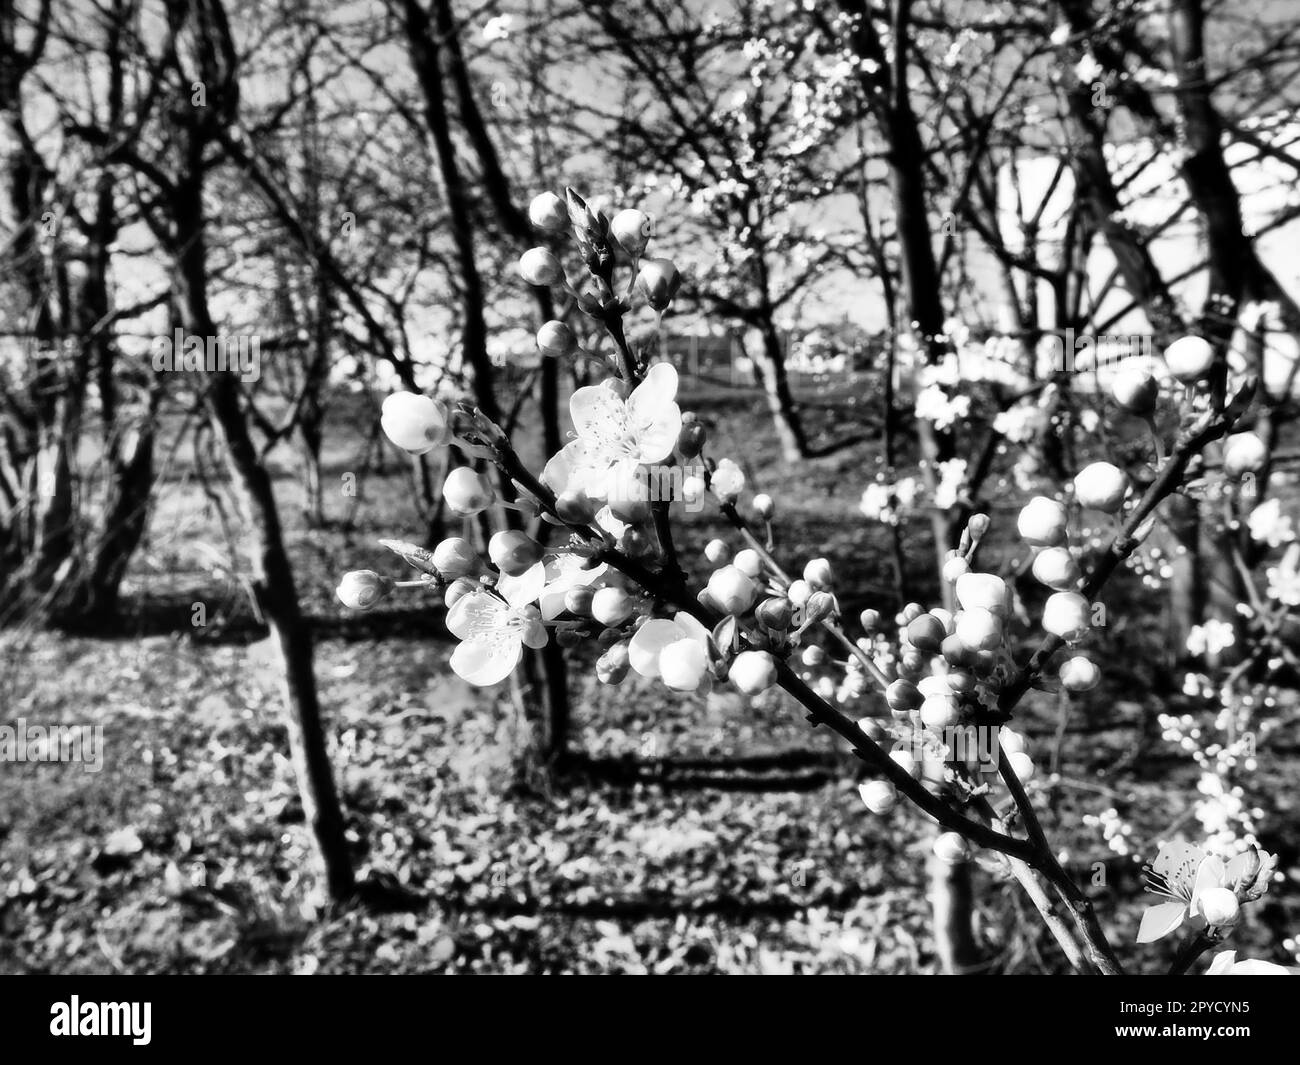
point(649, 487)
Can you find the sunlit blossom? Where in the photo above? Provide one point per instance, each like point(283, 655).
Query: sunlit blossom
point(494, 627)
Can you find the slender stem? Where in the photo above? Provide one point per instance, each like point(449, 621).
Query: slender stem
point(1192, 949)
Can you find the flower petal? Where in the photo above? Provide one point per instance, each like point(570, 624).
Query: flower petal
point(649, 640)
point(475, 612)
point(1255, 967)
point(535, 635)
point(486, 661)
point(1221, 963)
point(1210, 874)
point(654, 418)
point(1159, 920)
point(524, 589)
point(600, 418)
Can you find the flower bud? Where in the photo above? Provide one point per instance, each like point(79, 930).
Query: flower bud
point(763, 506)
point(906, 762)
point(903, 695)
point(958, 653)
point(1042, 522)
point(1136, 391)
point(454, 558)
point(820, 606)
point(1010, 741)
point(939, 712)
point(658, 281)
point(926, 633)
point(539, 266)
point(1021, 764)
point(514, 552)
point(467, 491)
point(575, 508)
point(457, 588)
point(413, 422)
point(1101, 486)
point(556, 340)
point(612, 666)
point(683, 664)
point(690, 441)
point(578, 600)
point(869, 620)
point(950, 847)
point(1244, 453)
point(717, 552)
point(982, 591)
point(1218, 906)
point(799, 592)
point(812, 655)
point(879, 795)
point(727, 481)
point(954, 568)
point(631, 229)
point(753, 672)
point(818, 573)
point(749, 562)
point(1065, 614)
point(1079, 674)
point(980, 629)
point(1056, 568)
point(612, 606)
point(363, 588)
point(548, 212)
point(1189, 358)
point(732, 590)
point(961, 682)
point(776, 613)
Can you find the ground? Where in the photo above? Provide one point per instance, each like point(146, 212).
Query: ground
point(711, 834)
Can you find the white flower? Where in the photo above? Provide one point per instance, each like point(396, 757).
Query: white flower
point(563, 572)
point(616, 435)
point(935, 405)
point(1284, 578)
point(876, 503)
point(727, 481)
point(952, 477)
point(661, 639)
point(1225, 964)
point(1211, 638)
point(1087, 69)
point(494, 627)
point(1269, 525)
point(1183, 874)
point(498, 28)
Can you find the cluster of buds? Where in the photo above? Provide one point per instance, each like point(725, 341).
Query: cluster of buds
point(599, 240)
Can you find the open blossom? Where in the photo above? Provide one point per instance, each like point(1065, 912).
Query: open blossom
point(1269, 525)
point(614, 435)
point(935, 405)
point(1197, 887)
point(494, 627)
point(1284, 578)
point(728, 481)
point(952, 478)
point(1212, 638)
point(1225, 963)
point(675, 649)
point(566, 571)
